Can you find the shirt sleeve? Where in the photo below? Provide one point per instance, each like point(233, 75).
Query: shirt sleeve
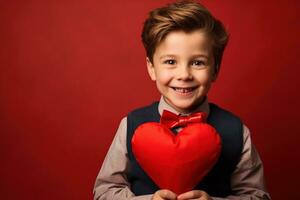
point(111, 182)
point(247, 180)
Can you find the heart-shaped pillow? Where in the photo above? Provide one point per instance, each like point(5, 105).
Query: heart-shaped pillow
point(176, 162)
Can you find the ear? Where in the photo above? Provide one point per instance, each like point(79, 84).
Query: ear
point(150, 69)
point(215, 74)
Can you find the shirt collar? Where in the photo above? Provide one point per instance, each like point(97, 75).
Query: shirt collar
point(163, 105)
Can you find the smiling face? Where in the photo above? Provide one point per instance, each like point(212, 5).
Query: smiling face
point(183, 69)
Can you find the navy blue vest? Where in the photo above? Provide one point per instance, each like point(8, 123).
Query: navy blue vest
point(217, 182)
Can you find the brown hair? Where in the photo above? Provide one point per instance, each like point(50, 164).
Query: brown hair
point(187, 16)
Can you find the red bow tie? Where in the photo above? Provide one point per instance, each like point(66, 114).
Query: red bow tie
point(172, 120)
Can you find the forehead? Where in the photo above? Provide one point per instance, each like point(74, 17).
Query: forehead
point(182, 43)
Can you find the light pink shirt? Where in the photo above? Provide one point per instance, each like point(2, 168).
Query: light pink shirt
point(247, 180)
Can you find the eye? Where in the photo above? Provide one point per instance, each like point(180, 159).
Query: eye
point(198, 63)
point(170, 62)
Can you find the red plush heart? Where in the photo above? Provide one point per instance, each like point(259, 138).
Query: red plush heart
point(176, 162)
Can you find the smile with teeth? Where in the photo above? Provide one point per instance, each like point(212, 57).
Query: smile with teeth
point(184, 90)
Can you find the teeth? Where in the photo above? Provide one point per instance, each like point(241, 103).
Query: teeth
point(183, 90)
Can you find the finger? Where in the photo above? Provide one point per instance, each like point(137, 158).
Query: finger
point(205, 196)
point(196, 199)
point(167, 194)
point(190, 195)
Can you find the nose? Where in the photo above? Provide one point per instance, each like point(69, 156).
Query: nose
point(183, 72)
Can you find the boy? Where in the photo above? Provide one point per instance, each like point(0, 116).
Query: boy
point(184, 45)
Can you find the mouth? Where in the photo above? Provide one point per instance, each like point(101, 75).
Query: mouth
point(185, 90)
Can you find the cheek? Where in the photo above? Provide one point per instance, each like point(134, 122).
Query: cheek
point(204, 78)
point(164, 76)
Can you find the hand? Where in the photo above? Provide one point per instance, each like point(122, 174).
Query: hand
point(195, 195)
point(164, 195)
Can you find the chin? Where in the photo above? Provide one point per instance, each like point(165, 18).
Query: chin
point(183, 107)
point(188, 106)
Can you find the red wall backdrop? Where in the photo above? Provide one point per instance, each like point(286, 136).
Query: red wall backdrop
point(70, 70)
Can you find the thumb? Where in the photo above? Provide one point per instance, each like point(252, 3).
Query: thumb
point(167, 194)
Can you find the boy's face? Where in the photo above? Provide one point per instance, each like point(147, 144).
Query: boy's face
point(183, 68)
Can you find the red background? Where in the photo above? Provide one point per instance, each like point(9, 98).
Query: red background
point(70, 70)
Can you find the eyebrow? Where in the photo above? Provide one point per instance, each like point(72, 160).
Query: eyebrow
point(168, 55)
point(174, 56)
